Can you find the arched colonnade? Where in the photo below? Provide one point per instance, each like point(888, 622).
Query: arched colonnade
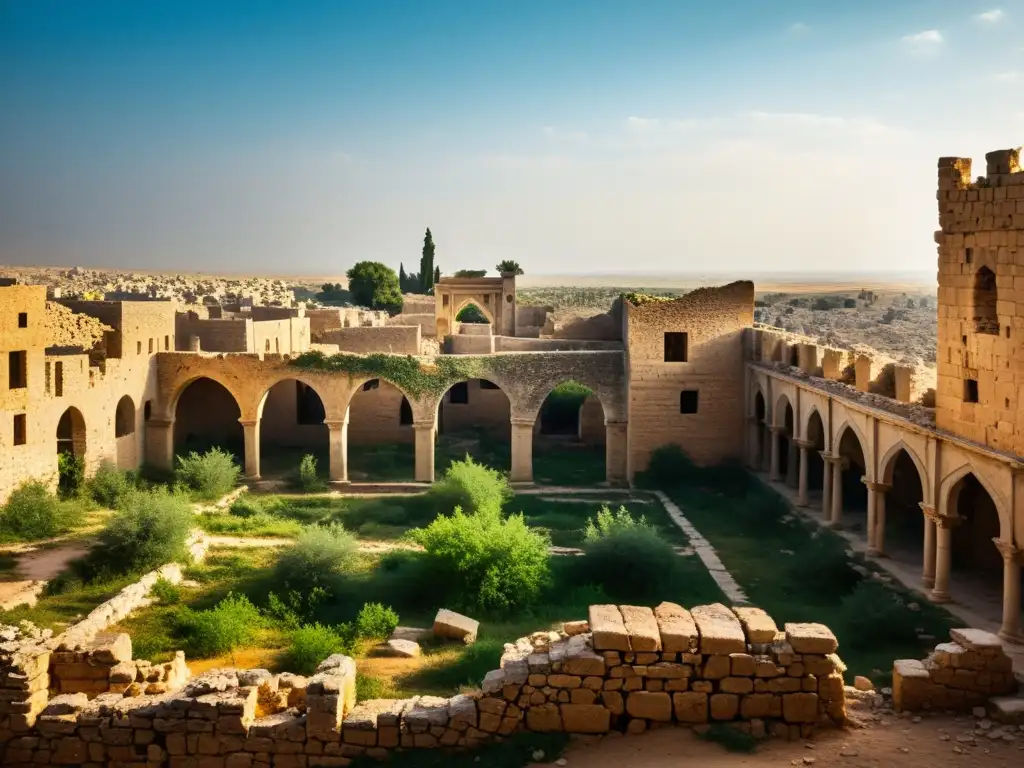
point(905, 478)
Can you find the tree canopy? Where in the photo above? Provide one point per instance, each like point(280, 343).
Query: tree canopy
point(471, 313)
point(470, 273)
point(375, 285)
point(427, 262)
point(509, 266)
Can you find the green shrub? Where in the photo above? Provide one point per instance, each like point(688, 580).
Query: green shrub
point(606, 523)
point(319, 556)
point(875, 615)
point(32, 512)
point(824, 566)
point(70, 474)
point(109, 485)
point(208, 475)
point(149, 530)
point(471, 486)
point(231, 624)
point(491, 563)
point(166, 592)
point(247, 505)
point(669, 467)
point(369, 688)
point(294, 608)
point(628, 563)
point(375, 622)
point(311, 644)
point(305, 478)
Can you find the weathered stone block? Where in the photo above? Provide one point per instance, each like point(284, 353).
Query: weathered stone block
point(546, 718)
point(454, 626)
point(608, 629)
point(585, 718)
point(724, 706)
point(811, 638)
point(650, 706)
point(720, 630)
point(757, 624)
point(800, 707)
point(641, 627)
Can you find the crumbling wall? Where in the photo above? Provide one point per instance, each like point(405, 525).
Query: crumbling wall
point(627, 668)
point(394, 339)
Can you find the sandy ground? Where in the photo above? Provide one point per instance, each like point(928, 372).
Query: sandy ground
point(894, 742)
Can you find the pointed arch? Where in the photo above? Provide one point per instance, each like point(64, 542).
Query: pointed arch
point(862, 442)
point(478, 304)
point(124, 417)
point(779, 413)
point(888, 464)
point(952, 480)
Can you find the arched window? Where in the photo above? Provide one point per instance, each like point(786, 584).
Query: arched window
point(124, 417)
point(405, 413)
point(985, 298)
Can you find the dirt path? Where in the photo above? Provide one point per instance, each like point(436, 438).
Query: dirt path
point(893, 742)
point(34, 568)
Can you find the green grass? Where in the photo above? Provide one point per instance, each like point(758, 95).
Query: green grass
point(565, 520)
point(560, 462)
point(260, 526)
point(751, 531)
point(57, 611)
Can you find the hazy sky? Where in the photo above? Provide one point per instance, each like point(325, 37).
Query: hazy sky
point(300, 137)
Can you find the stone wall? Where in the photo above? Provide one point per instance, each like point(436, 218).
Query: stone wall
point(981, 300)
point(713, 320)
point(519, 344)
point(591, 424)
point(958, 675)
point(288, 336)
point(215, 335)
point(375, 416)
point(424, 320)
point(393, 339)
point(626, 669)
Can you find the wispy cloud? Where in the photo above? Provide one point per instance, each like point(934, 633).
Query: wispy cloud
point(799, 28)
point(560, 134)
point(927, 38)
point(341, 157)
point(1010, 76)
point(859, 126)
point(641, 123)
point(991, 17)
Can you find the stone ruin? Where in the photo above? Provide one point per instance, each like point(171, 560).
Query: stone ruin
point(968, 672)
point(626, 668)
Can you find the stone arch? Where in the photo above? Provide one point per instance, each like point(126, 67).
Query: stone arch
point(980, 520)
point(124, 417)
point(207, 413)
point(291, 419)
point(472, 302)
point(570, 430)
point(423, 407)
point(782, 402)
point(850, 445)
point(862, 443)
point(888, 463)
point(175, 398)
point(535, 402)
point(815, 433)
point(949, 483)
point(464, 405)
point(380, 433)
point(71, 433)
point(813, 412)
point(905, 481)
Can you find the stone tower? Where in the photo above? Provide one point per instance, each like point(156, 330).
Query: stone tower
point(981, 300)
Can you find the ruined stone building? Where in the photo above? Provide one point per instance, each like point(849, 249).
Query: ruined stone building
point(930, 476)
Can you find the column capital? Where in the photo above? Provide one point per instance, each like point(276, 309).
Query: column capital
point(1009, 551)
point(831, 458)
point(804, 444)
point(876, 487)
point(777, 430)
point(333, 424)
point(615, 423)
point(519, 422)
point(249, 422)
point(422, 425)
point(160, 422)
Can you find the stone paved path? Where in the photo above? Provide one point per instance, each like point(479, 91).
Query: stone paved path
point(36, 566)
point(705, 552)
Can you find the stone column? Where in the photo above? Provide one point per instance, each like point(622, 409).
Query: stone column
point(424, 451)
point(1012, 556)
point(826, 485)
point(773, 471)
point(766, 446)
point(159, 447)
point(615, 452)
point(928, 568)
point(337, 432)
point(943, 556)
point(251, 432)
point(836, 512)
point(522, 451)
point(876, 515)
point(804, 457)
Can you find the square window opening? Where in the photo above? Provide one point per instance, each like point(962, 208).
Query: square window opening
point(23, 319)
point(676, 347)
point(58, 379)
point(688, 399)
point(970, 390)
point(20, 429)
point(17, 370)
point(969, 255)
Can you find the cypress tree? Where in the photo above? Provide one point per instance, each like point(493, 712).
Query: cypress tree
point(437, 274)
point(427, 262)
point(402, 279)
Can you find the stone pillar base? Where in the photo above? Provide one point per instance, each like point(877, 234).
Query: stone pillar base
point(1011, 637)
point(939, 597)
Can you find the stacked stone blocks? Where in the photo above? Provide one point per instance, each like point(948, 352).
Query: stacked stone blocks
point(958, 675)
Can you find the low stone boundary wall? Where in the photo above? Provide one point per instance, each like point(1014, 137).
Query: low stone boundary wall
point(959, 675)
point(626, 668)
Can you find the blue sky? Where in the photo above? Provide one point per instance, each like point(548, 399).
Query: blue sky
point(573, 136)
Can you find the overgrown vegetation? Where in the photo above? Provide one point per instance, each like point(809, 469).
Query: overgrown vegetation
point(375, 285)
point(32, 513)
point(560, 412)
point(149, 530)
point(625, 556)
point(312, 643)
point(490, 563)
point(109, 485)
point(471, 486)
point(376, 622)
point(319, 556)
point(232, 623)
point(70, 474)
point(305, 477)
point(208, 475)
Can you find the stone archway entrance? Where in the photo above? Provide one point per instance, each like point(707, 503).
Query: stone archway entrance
point(381, 437)
point(207, 416)
point(291, 425)
point(570, 437)
point(71, 433)
point(495, 296)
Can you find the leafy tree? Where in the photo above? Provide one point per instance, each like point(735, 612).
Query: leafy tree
point(427, 262)
point(470, 273)
point(509, 266)
point(471, 313)
point(375, 285)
